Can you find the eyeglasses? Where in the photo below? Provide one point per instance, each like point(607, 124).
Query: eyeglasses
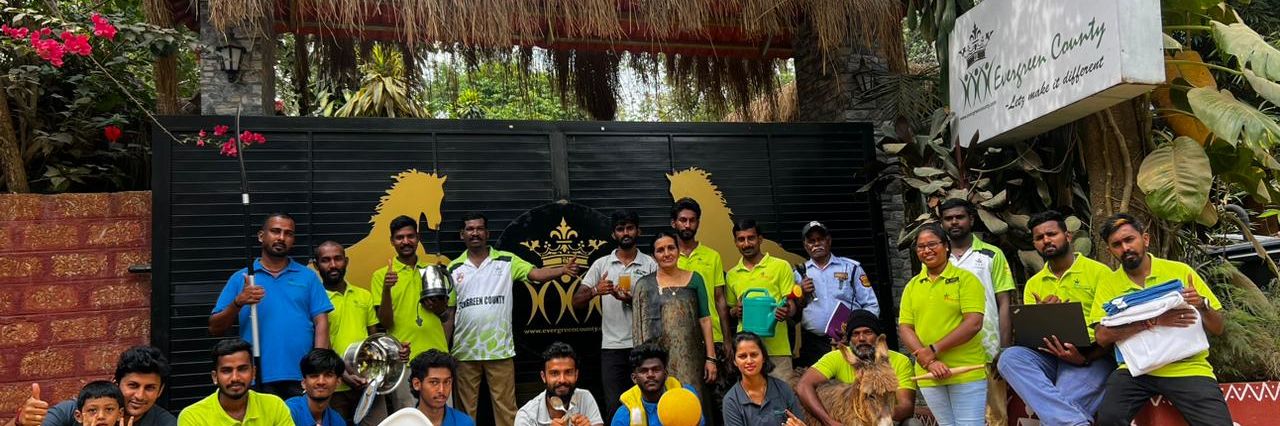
point(929, 246)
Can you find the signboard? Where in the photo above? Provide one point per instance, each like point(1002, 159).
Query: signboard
point(1022, 67)
point(552, 235)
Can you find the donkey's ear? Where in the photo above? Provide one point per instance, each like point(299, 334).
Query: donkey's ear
point(882, 349)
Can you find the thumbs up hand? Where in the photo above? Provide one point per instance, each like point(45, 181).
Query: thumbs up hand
point(33, 409)
point(1191, 296)
point(605, 286)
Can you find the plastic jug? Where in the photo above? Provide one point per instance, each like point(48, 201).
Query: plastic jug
point(757, 312)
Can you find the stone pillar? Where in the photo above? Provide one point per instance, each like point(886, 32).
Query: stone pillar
point(255, 91)
point(831, 92)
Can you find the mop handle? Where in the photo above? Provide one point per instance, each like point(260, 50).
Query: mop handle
point(253, 320)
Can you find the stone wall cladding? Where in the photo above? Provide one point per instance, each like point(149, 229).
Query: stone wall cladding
point(69, 306)
point(826, 90)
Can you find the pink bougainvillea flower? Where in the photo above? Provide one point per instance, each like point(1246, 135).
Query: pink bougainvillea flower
point(77, 44)
point(200, 142)
point(49, 50)
point(112, 133)
point(102, 28)
point(250, 138)
point(18, 33)
point(230, 148)
point(220, 130)
point(45, 32)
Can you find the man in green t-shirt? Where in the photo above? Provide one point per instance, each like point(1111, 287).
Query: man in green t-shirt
point(758, 270)
point(396, 290)
point(1188, 383)
point(861, 332)
point(234, 403)
point(686, 215)
point(352, 320)
point(1062, 383)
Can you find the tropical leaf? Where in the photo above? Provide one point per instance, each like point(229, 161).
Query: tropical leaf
point(927, 172)
point(994, 223)
point(1231, 120)
point(1073, 224)
point(1266, 88)
point(1176, 178)
point(1208, 216)
point(1249, 48)
point(1170, 43)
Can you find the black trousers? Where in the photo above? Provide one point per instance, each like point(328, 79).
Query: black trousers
point(812, 348)
point(1199, 399)
point(284, 389)
point(615, 375)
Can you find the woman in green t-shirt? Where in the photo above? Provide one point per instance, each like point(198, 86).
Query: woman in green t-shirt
point(940, 321)
point(671, 311)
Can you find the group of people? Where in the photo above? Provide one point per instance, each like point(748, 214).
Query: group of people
point(674, 319)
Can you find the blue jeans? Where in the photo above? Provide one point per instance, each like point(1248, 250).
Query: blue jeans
point(964, 404)
point(1061, 394)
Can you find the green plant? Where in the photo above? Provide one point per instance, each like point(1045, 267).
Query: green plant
point(57, 112)
point(1007, 183)
point(384, 89)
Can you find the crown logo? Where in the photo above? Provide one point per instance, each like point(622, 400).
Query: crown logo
point(561, 248)
point(976, 49)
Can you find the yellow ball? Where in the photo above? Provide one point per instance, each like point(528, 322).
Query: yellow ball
point(679, 407)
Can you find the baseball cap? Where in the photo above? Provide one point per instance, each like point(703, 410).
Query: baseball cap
point(812, 226)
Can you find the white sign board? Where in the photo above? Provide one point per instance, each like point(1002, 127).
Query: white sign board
point(1022, 67)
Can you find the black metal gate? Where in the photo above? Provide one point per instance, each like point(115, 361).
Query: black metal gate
point(330, 173)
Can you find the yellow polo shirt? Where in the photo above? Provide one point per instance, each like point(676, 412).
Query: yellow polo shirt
point(834, 366)
point(1162, 271)
point(935, 308)
point(413, 323)
point(1078, 284)
point(772, 274)
point(707, 262)
point(263, 410)
point(350, 319)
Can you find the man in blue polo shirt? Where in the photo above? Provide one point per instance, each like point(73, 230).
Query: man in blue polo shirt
point(293, 309)
point(831, 284)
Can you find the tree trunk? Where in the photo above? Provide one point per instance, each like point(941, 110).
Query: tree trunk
point(15, 170)
point(166, 73)
point(302, 73)
point(1113, 144)
point(165, 69)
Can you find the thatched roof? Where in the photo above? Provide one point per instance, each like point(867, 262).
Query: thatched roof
point(727, 45)
point(777, 107)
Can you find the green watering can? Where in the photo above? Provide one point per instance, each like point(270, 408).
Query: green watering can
point(757, 312)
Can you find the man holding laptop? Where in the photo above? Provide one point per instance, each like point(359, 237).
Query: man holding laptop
point(1059, 381)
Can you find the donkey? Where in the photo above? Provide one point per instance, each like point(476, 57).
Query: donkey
point(869, 400)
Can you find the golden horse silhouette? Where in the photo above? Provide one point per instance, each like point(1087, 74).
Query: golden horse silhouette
point(716, 227)
point(414, 194)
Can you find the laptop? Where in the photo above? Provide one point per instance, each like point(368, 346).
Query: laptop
point(1033, 323)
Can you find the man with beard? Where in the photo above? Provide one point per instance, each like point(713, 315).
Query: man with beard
point(649, 373)
point(563, 404)
point(141, 373)
point(292, 307)
point(1188, 383)
point(686, 215)
point(861, 332)
point(397, 292)
point(352, 320)
point(1061, 382)
point(758, 269)
point(832, 281)
point(625, 265)
point(988, 263)
point(431, 377)
point(483, 342)
point(321, 372)
point(234, 403)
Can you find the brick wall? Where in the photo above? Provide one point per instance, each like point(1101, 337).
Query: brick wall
point(68, 304)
